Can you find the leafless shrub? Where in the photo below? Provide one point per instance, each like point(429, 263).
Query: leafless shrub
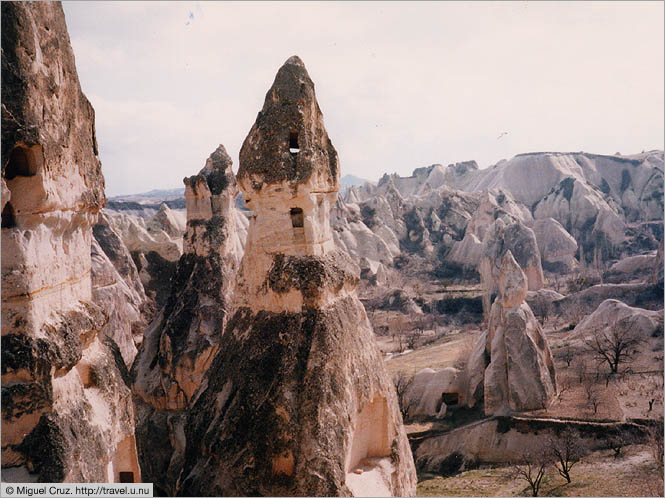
point(567, 354)
point(615, 345)
point(403, 382)
point(654, 392)
point(581, 369)
point(592, 394)
point(564, 386)
point(566, 449)
point(530, 467)
point(617, 440)
point(541, 308)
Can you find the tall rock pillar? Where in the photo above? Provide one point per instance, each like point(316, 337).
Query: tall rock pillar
point(180, 343)
point(297, 400)
point(67, 413)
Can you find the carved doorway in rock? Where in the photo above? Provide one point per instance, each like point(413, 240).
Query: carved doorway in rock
point(125, 465)
point(371, 433)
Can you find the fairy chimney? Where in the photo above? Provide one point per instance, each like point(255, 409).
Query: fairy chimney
point(297, 401)
point(182, 340)
point(67, 413)
point(511, 367)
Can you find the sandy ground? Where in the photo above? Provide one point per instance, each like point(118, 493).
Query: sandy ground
point(441, 354)
point(624, 397)
point(599, 474)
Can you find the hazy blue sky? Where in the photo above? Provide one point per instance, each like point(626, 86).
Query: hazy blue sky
point(401, 85)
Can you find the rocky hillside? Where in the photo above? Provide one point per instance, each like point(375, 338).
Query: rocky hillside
point(610, 205)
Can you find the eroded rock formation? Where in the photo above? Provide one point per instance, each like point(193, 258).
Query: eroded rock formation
point(117, 289)
point(511, 366)
point(503, 237)
point(557, 247)
point(618, 321)
point(66, 410)
point(432, 392)
point(297, 401)
point(155, 245)
point(181, 342)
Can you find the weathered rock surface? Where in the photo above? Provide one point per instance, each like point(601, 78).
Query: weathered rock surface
point(632, 268)
point(431, 391)
point(297, 398)
point(595, 198)
point(503, 440)
point(557, 247)
point(123, 304)
point(167, 220)
point(583, 303)
point(154, 251)
point(519, 240)
point(117, 288)
point(66, 410)
point(513, 356)
point(181, 342)
point(613, 313)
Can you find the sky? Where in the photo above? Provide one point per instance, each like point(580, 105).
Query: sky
point(400, 85)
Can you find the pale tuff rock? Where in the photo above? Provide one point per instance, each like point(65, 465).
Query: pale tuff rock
point(613, 314)
point(351, 234)
point(503, 237)
point(557, 247)
point(182, 340)
point(431, 391)
point(66, 411)
point(585, 302)
point(518, 370)
point(167, 220)
point(145, 237)
point(117, 288)
point(123, 304)
point(658, 267)
point(299, 346)
point(154, 251)
point(492, 205)
point(592, 196)
point(632, 268)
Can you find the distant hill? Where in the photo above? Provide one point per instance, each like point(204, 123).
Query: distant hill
point(350, 181)
point(151, 196)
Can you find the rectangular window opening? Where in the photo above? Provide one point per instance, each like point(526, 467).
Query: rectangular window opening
point(297, 218)
point(126, 476)
point(294, 148)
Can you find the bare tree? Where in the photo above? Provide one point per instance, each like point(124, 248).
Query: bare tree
point(616, 344)
point(616, 442)
point(564, 386)
point(403, 382)
point(566, 449)
point(463, 355)
point(567, 354)
point(530, 467)
point(581, 370)
point(397, 325)
point(654, 394)
point(592, 394)
point(594, 401)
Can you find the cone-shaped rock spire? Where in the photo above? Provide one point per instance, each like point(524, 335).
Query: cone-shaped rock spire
point(288, 142)
point(297, 401)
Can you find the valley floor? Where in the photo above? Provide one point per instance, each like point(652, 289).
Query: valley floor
point(598, 474)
